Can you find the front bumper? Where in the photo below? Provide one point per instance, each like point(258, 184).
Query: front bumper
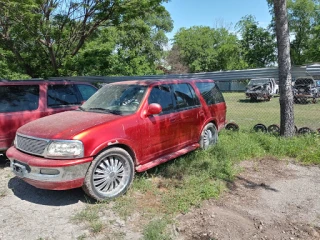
point(48, 173)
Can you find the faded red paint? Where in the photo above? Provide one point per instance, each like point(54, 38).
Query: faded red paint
point(11, 121)
point(152, 139)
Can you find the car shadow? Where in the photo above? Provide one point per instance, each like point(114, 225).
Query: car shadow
point(4, 162)
point(251, 101)
point(27, 192)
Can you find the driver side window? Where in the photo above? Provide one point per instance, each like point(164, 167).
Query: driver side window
point(162, 95)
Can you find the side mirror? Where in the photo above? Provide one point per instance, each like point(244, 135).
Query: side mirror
point(153, 109)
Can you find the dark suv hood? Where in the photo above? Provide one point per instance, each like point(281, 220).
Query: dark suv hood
point(65, 125)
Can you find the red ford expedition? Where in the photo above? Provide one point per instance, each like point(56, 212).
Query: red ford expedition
point(123, 128)
point(27, 100)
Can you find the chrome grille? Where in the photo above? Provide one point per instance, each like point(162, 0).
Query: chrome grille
point(31, 145)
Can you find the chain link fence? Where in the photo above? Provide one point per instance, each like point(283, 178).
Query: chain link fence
point(257, 106)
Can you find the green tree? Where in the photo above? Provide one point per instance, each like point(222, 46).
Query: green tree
point(258, 44)
point(208, 49)
point(46, 35)
point(133, 48)
point(301, 17)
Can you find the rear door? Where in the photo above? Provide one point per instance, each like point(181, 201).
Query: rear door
point(190, 113)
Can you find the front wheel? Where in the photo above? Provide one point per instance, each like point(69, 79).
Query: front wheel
point(209, 136)
point(109, 175)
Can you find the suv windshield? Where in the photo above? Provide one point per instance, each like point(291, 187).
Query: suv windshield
point(116, 99)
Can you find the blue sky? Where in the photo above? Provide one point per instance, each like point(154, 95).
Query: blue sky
point(213, 13)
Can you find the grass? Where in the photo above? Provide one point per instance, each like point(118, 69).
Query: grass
point(90, 216)
point(247, 113)
point(159, 194)
point(156, 229)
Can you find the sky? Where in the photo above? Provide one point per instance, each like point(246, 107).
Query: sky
point(215, 13)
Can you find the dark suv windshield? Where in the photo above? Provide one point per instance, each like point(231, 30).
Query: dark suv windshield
point(117, 99)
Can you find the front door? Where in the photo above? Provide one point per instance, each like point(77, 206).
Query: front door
point(160, 131)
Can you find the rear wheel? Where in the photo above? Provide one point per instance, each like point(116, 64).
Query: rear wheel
point(209, 136)
point(109, 175)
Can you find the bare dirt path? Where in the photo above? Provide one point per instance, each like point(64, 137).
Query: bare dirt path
point(269, 200)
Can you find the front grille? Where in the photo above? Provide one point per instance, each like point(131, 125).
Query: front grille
point(31, 145)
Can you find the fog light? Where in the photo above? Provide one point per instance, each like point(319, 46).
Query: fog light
point(48, 171)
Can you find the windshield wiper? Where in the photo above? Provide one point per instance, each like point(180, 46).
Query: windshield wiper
point(81, 108)
point(117, 112)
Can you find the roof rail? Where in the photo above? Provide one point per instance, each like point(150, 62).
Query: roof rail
point(38, 80)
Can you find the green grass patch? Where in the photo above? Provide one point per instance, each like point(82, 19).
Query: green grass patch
point(156, 229)
point(90, 216)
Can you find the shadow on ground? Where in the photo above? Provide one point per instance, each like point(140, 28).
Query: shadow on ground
point(4, 162)
point(26, 192)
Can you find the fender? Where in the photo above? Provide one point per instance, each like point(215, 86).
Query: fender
point(114, 142)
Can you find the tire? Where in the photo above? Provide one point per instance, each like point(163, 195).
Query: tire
point(274, 129)
point(260, 128)
point(109, 175)
point(305, 130)
point(253, 98)
point(232, 126)
point(209, 136)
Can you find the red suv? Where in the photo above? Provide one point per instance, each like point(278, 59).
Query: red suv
point(123, 128)
point(24, 101)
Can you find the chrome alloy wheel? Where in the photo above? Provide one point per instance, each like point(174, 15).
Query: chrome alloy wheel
point(111, 176)
point(208, 138)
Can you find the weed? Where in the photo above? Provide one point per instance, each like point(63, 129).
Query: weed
point(82, 237)
point(90, 216)
point(156, 229)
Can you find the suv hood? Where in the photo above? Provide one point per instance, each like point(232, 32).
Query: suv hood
point(65, 125)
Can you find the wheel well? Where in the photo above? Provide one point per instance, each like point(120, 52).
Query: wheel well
point(125, 147)
point(214, 123)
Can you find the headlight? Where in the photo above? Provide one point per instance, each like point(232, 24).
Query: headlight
point(65, 149)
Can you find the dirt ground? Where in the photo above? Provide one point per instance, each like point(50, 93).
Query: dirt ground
point(269, 200)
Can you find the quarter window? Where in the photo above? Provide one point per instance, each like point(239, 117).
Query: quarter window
point(86, 91)
point(59, 95)
point(210, 92)
point(161, 95)
point(19, 98)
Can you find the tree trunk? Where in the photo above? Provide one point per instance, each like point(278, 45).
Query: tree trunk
point(285, 83)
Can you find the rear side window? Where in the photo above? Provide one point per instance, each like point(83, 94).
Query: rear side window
point(210, 92)
point(61, 95)
point(184, 95)
point(162, 95)
point(19, 98)
point(86, 91)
